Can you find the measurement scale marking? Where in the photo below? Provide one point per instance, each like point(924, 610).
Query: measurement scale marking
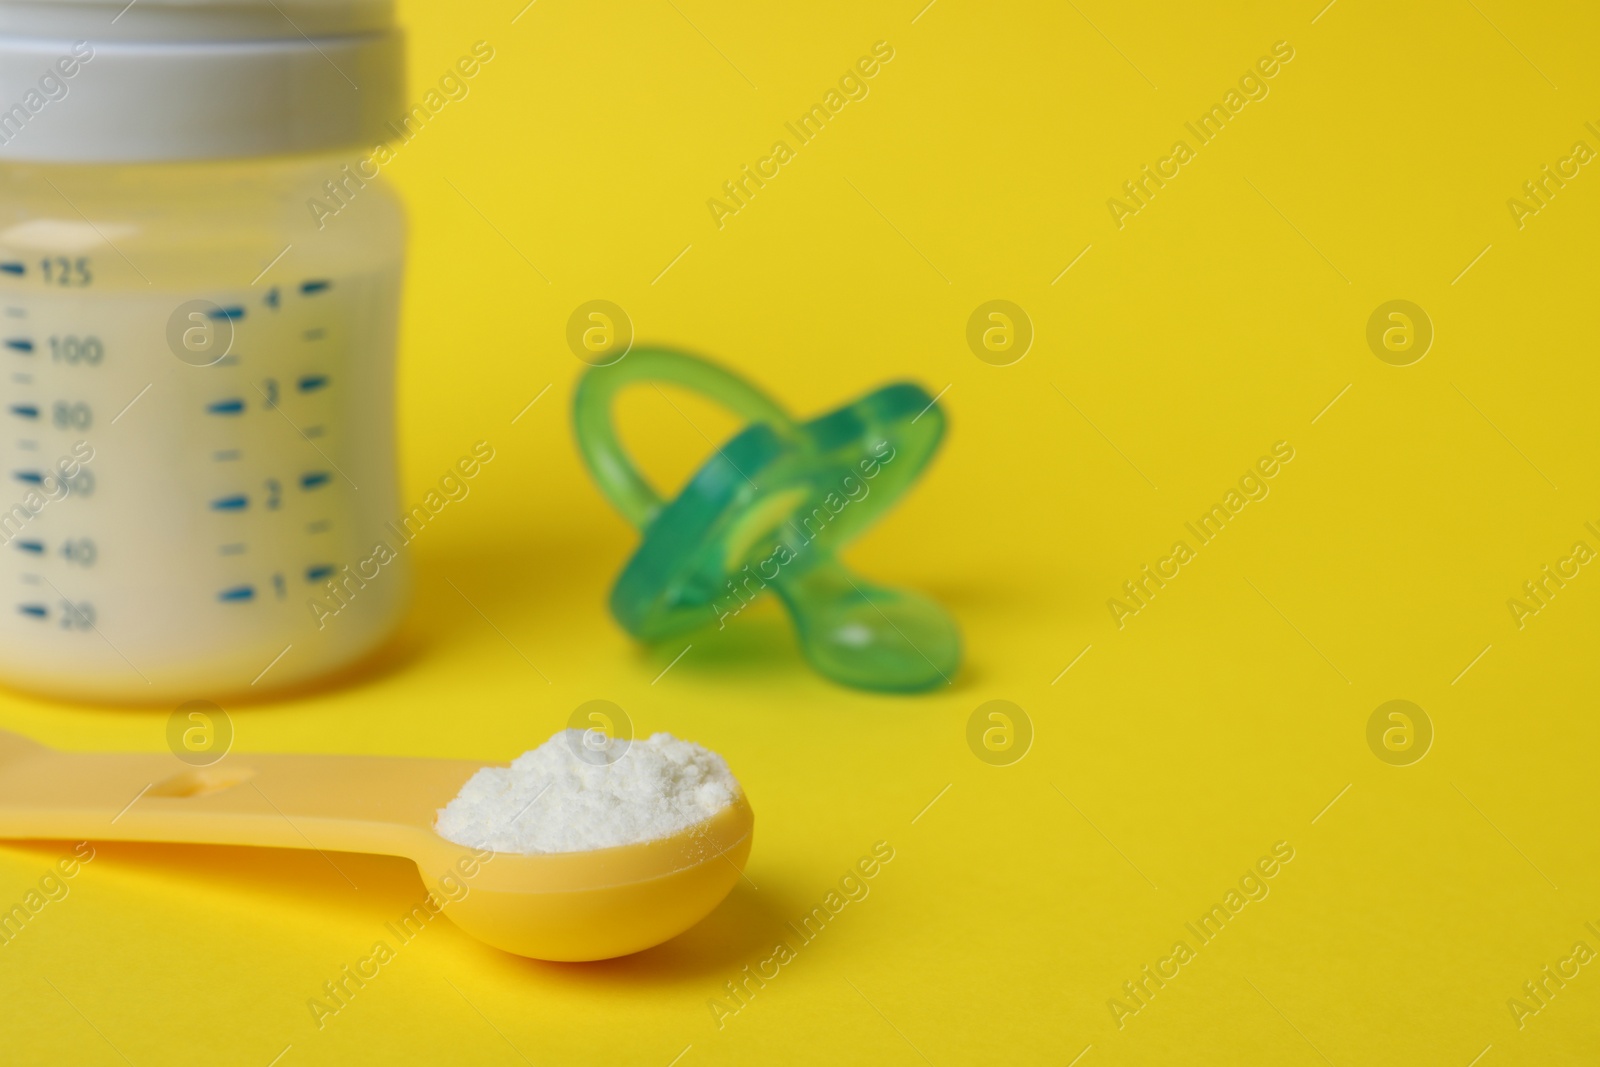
point(29, 477)
point(231, 503)
point(25, 411)
point(232, 406)
point(238, 594)
point(36, 547)
point(310, 383)
point(232, 314)
point(315, 479)
point(320, 573)
point(37, 611)
point(14, 268)
point(316, 285)
point(20, 344)
point(228, 455)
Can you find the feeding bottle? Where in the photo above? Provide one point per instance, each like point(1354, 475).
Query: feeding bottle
point(199, 289)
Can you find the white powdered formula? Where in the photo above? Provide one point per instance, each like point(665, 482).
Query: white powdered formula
point(565, 797)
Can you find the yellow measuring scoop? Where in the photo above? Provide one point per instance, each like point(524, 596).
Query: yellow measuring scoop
point(550, 906)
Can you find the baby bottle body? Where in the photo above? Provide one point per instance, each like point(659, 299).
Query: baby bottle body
point(196, 426)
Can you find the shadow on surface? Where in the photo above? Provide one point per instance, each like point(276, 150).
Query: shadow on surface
point(742, 930)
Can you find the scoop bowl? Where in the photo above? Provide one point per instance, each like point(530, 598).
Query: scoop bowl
point(598, 904)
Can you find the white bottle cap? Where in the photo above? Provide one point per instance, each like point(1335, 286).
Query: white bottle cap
point(104, 81)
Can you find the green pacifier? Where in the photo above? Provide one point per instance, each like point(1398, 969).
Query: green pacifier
point(774, 507)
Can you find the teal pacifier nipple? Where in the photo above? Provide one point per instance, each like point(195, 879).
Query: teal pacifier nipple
point(773, 508)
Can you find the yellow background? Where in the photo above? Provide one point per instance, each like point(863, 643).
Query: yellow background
point(1175, 752)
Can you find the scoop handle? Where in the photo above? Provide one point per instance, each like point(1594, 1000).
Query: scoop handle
point(383, 805)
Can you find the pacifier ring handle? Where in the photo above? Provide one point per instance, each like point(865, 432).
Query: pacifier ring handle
point(609, 462)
